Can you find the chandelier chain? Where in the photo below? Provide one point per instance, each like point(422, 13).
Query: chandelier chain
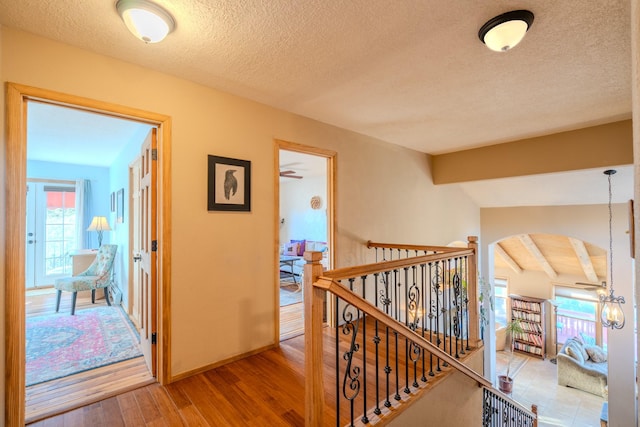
point(610, 239)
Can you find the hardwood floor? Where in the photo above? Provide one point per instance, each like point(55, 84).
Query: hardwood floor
point(291, 321)
point(266, 389)
point(75, 391)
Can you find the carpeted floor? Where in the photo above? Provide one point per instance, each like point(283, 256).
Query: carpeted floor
point(289, 294)
point(58, 345)
point(502, 360)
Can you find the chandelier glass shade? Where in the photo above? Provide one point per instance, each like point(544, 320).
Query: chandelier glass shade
point(611, 313)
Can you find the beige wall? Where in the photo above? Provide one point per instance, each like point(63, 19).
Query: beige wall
point(455, 401)
point(222, 263)
point(588, 223)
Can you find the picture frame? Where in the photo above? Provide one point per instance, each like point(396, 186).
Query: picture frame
point(632, 230)
point(229, 184)
point(120, 206)
point(113, 201)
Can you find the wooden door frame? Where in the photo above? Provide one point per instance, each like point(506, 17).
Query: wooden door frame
point(331, 157)
point(16, 176)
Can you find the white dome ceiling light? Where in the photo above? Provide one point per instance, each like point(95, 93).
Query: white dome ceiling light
point(507, 30)
point(146, 20)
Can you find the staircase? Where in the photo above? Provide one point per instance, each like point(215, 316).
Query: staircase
point(404, 345)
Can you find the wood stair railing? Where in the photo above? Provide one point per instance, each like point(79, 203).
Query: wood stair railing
point(318, 283)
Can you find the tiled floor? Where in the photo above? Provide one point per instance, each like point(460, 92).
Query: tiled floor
point(562, 406)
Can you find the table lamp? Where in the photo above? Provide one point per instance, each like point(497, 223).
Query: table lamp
point(99, 224)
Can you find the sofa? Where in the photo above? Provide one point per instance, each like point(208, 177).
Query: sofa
point(583, 366)
point(298, 248)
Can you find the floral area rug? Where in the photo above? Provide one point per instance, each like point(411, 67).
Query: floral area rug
point(502, 360)
point(59, 344)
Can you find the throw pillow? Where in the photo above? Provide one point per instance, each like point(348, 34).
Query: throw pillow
point(291, 249)
point(580, 347)
point(301, 247)
point(574, 353)
point(596, 353)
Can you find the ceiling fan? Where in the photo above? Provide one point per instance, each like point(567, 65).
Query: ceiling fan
point(290, 174)
point(586, 285)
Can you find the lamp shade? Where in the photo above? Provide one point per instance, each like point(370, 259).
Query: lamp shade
point(99, 223)
point(507, 30)
point(146, 20)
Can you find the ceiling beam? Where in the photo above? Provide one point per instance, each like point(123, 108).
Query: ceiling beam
point(585, 259)
point(528, 243)
point(510, 261)
point(591, 147)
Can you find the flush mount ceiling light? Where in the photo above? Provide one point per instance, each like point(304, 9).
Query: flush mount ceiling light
point(147, 21)
point(505, 31)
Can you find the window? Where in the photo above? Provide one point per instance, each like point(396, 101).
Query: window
point(59, 229)
point(501, 295)
point(577, 315)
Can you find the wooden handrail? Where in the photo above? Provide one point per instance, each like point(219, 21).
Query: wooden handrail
point(533, 412)
point(367, 269)
point(365, 306)
point(403, 246)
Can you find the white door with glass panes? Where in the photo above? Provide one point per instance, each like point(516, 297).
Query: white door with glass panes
point(51, 232)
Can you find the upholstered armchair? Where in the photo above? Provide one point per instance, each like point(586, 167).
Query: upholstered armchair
point(96, 276)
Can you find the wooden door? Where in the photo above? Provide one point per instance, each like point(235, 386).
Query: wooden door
point(135, 305)
point(148, 250)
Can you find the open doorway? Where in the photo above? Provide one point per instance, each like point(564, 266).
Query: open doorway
point(77, 168)
point(18, 167)
point(305, 223)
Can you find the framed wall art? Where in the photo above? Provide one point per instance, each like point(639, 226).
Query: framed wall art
point(229, 184)
point(120, 206)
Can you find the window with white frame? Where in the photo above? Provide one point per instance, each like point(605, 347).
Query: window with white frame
point(500, 303)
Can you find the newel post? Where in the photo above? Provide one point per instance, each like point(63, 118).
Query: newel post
point(313, 363)
point(472, 291)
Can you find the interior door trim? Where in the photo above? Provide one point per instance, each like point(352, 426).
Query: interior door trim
point(331, 157)
point(16, 168)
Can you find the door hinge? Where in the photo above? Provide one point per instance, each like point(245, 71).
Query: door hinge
point(154, 338)
point(154, 154)
point(154, 246)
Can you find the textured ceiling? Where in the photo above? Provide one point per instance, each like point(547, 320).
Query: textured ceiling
point(412, 73)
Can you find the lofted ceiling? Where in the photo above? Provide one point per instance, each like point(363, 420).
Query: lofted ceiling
point(409, 72)
point(555, 256)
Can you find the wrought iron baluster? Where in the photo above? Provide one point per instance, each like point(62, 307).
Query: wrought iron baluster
point(456, 305)
point(397, 395)
point(364, 418)
point(351, 379)
point(337, 343)
point(466, 301)
point(431, 315)
point(449, 308)
point(387, 370)
point(376, 341)
point(423, 268)
point(406, 322)
point(436, 286)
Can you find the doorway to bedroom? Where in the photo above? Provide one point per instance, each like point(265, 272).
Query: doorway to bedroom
point(305, 218)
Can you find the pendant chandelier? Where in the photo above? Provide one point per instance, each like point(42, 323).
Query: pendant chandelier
point(611, 312)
